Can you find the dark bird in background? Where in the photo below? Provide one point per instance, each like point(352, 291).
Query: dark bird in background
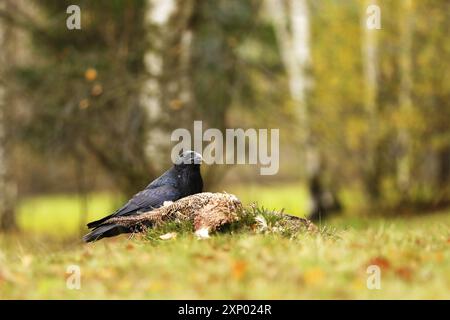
point(182, 180)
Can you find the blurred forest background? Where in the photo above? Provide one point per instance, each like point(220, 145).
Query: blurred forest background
point(363, 114)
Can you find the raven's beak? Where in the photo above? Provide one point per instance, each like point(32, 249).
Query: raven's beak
point(190, 157)
point(197, 157)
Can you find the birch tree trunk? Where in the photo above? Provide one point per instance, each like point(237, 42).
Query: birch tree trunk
point(292, 27)
point(7, 188)
point(291, 21)
point(371, 71)
point(405, 99)
point(167, 63)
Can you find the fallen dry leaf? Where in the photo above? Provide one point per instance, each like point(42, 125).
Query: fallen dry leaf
point(380, 261)
point(168, 236)
point(314, 276)
point(84, 104)
point(204, 257)
point(238, 269)
point(90, 74)
point(176, 104)
point(97, 90)
point(26, 260)
point(405, 273)
point(439, 257)
point(87, 253)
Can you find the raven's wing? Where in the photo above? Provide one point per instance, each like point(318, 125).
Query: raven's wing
point(145, 200)
point(167, 178)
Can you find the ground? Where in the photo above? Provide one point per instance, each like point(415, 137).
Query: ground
point(412, 253)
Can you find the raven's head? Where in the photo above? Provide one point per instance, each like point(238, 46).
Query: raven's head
point(189, 157)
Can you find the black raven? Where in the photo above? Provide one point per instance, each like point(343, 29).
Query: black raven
point(182, 180)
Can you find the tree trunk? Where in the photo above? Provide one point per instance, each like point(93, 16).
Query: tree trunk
point(443, 176)
point(291, 22)
point(7, 190)
point(370, 64)
point(7, 187)
point(405, 98)
point(167, 89)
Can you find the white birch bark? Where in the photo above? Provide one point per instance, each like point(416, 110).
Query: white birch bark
point(370, 49)
point(167, 19)
point(291, 22)
point(157, 16)
point(292, 26)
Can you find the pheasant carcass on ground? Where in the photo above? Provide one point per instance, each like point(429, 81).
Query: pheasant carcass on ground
point(208, 211)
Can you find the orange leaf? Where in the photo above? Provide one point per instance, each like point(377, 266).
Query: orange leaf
point(90, 74)
point(238, 269)
point(380, 261)
point(176, 104)
point(404, 273)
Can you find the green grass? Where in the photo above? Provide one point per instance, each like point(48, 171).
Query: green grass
point(413, 254)
point(293, 198)
point(62, 215)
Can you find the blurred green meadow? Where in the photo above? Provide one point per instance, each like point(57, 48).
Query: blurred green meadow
point(63, 215)
point(412, 252)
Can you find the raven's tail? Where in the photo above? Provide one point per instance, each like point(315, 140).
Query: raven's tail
point(97, 223)
point(104, 231)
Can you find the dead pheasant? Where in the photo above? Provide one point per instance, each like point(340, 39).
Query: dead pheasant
point(208, 211)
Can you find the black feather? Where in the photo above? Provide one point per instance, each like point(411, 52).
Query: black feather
point(182, 180)
point(104, 231)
